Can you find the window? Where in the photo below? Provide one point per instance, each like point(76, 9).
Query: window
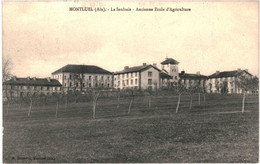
point(176, 77)
point(83, 84)
point(102, 77)
point(108, 78)
point(135, 81)
point(135, 74)
point(123, 83)
point(89, 85)
point(70, 84)
point(77, 84)
point(48, 88)
point(95, 77)
point(65, 77)
point(149, 81)
point(132, 82)
point(131, 74)
point(96, 85)
point(123, 75)
point(89, 77)
point(108, 85)
point(127, 82)
point(150, 88)
point(118, 83)
point(70, 77)
point(149, 74)
point(65, 84)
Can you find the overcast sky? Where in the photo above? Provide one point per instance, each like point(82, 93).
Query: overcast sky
point(41, 37)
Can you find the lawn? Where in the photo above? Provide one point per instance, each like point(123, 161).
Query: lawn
point(213, 132)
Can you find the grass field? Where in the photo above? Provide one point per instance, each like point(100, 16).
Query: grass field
point(213, 132)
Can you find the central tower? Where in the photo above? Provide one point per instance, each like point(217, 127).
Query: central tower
point(170, 66)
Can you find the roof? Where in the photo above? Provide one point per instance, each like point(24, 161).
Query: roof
point(137, 69)
point(191, 76)
point(82, 69)
point(165, 75)
point(33, 81)
point(228, 73)
point(169, 61)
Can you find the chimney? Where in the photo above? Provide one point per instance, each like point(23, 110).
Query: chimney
point(154, 64)
point(28, 78)
point(126, 67)
point(182, 72)
point(246, 70)
point(14, 77)
point(198, 73)
point(144, 64)
point(49, 79)
point(217, 72)
point(34, 78)
point(239, 69)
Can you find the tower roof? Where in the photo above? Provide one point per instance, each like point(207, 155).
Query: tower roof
point(169, 61)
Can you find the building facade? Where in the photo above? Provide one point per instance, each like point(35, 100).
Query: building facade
point(18, 87)
point(226, 82)
point(188, 79)
point(83, 77)
point(138, 77)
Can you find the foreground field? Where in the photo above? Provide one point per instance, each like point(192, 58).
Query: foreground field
point(213, 132)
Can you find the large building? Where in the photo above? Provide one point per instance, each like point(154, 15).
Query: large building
point(17, 87)
point(83, 77)
point(226, 82)
point(138, 77)
point(188, 79)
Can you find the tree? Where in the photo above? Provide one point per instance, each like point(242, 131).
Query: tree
point(217, 85)
point(118, 98)
point(95, 95)
point(7, 66)
point(198, 89)
point(180, 89)
point(191, 90)
point(131, 95)
point(247, 84)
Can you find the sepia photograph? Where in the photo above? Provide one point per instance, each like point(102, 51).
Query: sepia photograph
point(130, 81)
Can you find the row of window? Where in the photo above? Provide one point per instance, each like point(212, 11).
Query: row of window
point(133, 74)
point(222, 79)
point(86, 85)
point(59, 77)
point(126, 82)
point(33, 87)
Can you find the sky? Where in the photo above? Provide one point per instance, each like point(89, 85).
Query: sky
point(41, 37)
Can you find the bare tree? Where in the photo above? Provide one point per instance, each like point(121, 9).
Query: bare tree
point(247, 84)
point(95, 95)
point(180, 89)
point(217, 86)
point(131, 95)
point(191, 90)
point(118, 98)
point(7, 66)
point(31, 97)
point(58, 97)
